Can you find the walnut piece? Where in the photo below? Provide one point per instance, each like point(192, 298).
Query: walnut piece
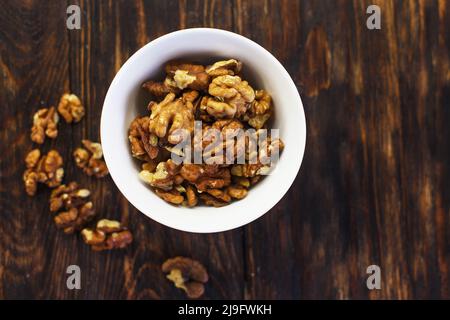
point(186, 274)
point(170, 116)
point(164, 176)
point(108, 234)
point(226, 67)
point(75, 211)
point(70, 108)
point(188, 75)
point(45, 123)
point(231, 91)
point(260, 110)
point(144, 145)
point(47, 169)
point(91, 159)
point(204, 176)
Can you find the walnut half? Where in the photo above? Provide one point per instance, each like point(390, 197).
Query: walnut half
point(187, 274)
point(108, 234)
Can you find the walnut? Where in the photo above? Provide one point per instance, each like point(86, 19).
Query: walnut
point(163, 177)
point(205, 176)
point(170, 116)
point(212, 201)
point(45, 169)
point(237, 192)
point(191, 196)
point(260, 110)
point(188, 75)
point(247, 170)
point(45, 123)
point(144, 145)
point(75, 211)
point(70, 108)
point(91, 159)
point(171, 196)
point(226, 67)
point(232, 91)
point(219, 194)
point(187, 274)
point(229, 132)
point(108, 234)
point(75, 219)
point(67, 196)
point(160, 89)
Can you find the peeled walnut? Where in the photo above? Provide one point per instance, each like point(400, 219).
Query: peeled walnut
point(187, 274)
point(108, 234)
point(144, 145)
point(206, 176)
point(172, 196)
point(226, 67)
point(75, 211)
point(237, 192)
point(188, 75)
point(91, 159)
point(232, 97)
point(212, 201)
point(229, 148)
point(67, 196)
point(170, 117)
point(70, 108)
point(164, 176)
point(160, 89)
point(45, 123)
point(75, 218)
point(191, 196)
point(260, 110)
point(45, 169)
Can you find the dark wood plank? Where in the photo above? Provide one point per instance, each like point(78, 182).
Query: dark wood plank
point(373, 184)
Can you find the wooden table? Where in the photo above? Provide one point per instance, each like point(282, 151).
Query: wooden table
point(373, 187)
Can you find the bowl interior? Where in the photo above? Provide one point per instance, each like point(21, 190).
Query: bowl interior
point(125, 100)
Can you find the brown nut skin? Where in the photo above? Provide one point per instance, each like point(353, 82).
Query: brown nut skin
point(159, 89)
point(91, 159)
point(187, 274)
point(76, 218)
point(191, 196)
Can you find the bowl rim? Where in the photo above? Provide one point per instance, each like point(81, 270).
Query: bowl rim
point(268, 205)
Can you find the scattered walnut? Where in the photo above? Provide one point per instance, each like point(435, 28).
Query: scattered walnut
point(70, 108)
point(45, 123)
point(75, 218)
point(78, 210)
point(187, 274)
point(234, 92)
point(170, 116)
point(90, 159)
point(108, 234)
point(226, 67)
point(45, 169)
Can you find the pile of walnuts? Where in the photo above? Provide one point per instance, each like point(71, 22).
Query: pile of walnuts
point(69, 202)
point(218, 96)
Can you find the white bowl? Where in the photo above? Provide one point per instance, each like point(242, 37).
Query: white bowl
point(123, 103)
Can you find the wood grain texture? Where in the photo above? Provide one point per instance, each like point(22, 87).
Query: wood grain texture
point(373, 187)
